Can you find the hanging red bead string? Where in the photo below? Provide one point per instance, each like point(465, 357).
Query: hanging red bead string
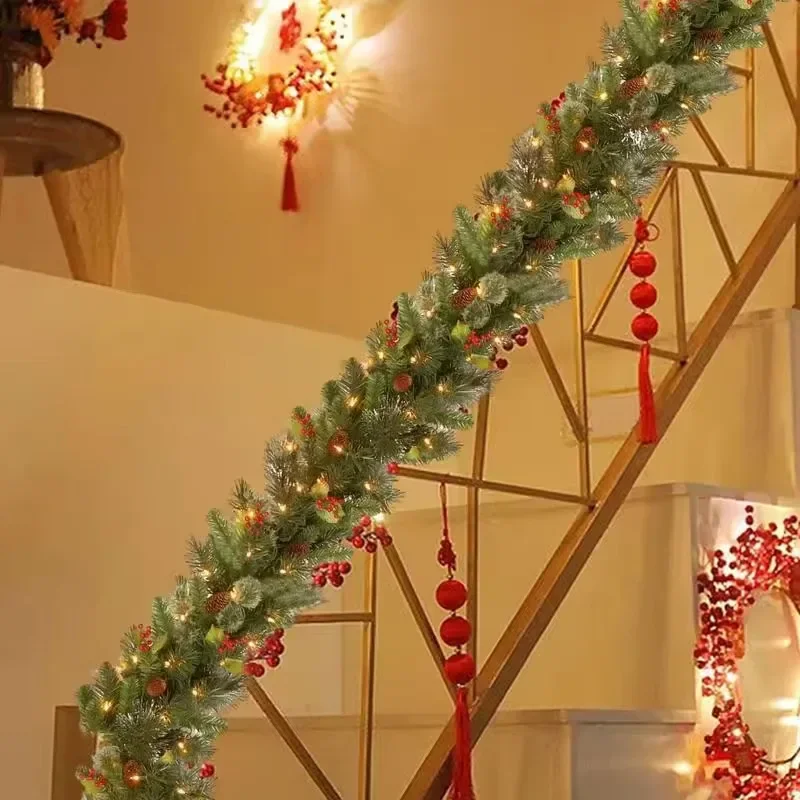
point(642, 263)
point(459, 668)
point(289, 201)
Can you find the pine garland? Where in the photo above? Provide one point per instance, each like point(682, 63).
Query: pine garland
point(570, 181)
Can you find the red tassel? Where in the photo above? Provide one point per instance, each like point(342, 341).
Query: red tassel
point(647, 407)
point(462, 753)
point(289, 201)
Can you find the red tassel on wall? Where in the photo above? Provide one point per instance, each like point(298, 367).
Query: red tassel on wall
point(289, 201)
point(644, 327)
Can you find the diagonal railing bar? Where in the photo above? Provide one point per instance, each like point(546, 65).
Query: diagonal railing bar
point(780, 69)
point(677, 266)
point(708, 141)
point(537, 610)
point(729, 170)
point(491, 486)
point(744, 72)
point(574, 420)
point(611, 287)
point(624, 344)
point(292, 740)
point(417, 612)
point(473, 523)
point(713, 218)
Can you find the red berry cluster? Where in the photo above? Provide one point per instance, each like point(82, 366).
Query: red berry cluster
point(93, 776)
point(254, 520)
point(476, 339)
point(145, 635)
point(329, 504)
point(270, 653)
point(291, 30)
point(553, 123)
point(575, 199)
point(332, 572)
point(668, 7)
point(501, 214)
point(761, 561)
point(367, 535)
point(303, 419)
point(207, 770)
point(586, 141)
point(518, 338)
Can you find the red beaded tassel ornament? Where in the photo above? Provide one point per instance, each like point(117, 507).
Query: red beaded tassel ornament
point(642, 263)
point(289, 201)
point(459, 668)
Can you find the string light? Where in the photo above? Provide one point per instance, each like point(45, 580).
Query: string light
point(368, 487)
point(381, 355)
point(603, 96)
point(282, 508)
point(135, 658)
point(352, 402)
point(614, 182)
point(107, 705)
point(289, 446)
point(528, 203)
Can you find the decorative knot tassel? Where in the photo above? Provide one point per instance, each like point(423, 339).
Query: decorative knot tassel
point(289, 201)
point(462, 753)
point(648, 434)
point(644, 327)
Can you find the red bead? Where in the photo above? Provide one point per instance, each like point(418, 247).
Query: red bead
point(644, 326)
point(402, 382)
point(642, 263)
point(501, 363)
point(455, 631)
point(207, 770)
point(451, 594)
point(460, 669)
point(156, 687)
point(644, 295)
point(254, 669)
point(392, 468)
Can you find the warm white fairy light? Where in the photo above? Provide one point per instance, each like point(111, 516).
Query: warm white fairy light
point(107, 705)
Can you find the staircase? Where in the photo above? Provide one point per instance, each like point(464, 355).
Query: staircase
point(589, 418)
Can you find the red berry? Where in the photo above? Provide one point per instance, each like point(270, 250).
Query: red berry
point(386, 541)
point(254, 669)
point(521, 341)
point(392, 468)
point(207, 770)
point(357, 542)
point(320, 580)
point(357, 530)
point(365, 522)
point(337, 580)
point(272, 661)
point(278, 633)
point(371, 547)
point(501, 363)
point(508, 345)
point(345, 568)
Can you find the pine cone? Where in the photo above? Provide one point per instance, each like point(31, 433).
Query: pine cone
point(544, 245)
point(132, 774)
point(632, 87)
point(218, 602)
point(299, 549)
point(463, 297)
point(710, 36)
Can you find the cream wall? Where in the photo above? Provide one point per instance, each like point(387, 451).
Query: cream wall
point(123, 420)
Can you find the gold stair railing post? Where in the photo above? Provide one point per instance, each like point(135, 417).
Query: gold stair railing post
point(676, 224)
point(367, 726)
point(582, 386)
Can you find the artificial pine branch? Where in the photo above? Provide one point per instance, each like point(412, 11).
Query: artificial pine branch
point(424, 368)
